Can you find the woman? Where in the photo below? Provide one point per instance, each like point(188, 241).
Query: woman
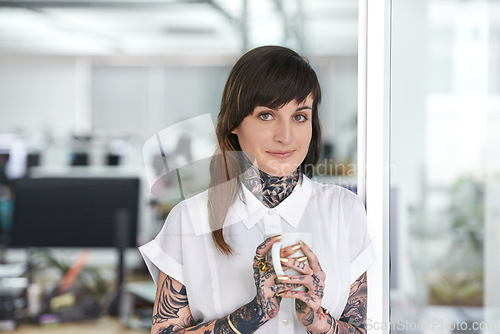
point(202, 259)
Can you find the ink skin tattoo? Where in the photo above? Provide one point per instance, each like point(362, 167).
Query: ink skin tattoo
point(271, 190)
point(172, 329)
point(249, 318)
point(318, 288)
point(256, 313)
point(322, 315)
point(306, 305)
point(246, 319)
point(268, 305)
point(353, 318)
point(169, 302)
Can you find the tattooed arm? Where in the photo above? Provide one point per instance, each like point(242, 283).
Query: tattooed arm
point(171, 310)
point(171, 313)
point(353, 319)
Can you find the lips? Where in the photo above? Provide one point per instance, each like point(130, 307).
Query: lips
point(280, 154)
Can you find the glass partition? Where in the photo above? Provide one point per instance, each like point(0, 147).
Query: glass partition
point(445, 170)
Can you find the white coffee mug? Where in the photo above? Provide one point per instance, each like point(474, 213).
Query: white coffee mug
point(289, 239)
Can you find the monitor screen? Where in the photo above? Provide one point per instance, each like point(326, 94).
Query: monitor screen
point(75, 212)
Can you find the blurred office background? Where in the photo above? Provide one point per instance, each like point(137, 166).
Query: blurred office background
point(84, 85)
point(84, 88)
point(445, 146)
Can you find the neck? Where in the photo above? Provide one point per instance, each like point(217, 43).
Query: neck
point(270, 190)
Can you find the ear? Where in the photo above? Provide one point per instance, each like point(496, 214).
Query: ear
point(235, 131)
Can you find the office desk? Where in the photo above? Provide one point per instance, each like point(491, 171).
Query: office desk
point(105, 325)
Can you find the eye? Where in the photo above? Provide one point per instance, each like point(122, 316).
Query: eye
point(266, 116)
point(300, 118)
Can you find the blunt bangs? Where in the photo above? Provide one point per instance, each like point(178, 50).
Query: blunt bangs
point(276, 79)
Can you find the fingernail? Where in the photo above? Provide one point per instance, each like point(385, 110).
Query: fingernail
point(280, 294)
point(301, 243)
point(282, 259)
point(276, 237)
point(296, 247)
point(302, 259)
point(283, 278)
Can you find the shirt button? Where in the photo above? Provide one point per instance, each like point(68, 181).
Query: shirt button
point(285, 322)
point(271, 212)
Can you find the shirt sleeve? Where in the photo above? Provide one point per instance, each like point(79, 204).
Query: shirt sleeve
point(361, 250)
point(164, 253)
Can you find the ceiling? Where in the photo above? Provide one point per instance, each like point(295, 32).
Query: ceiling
point(128, 27)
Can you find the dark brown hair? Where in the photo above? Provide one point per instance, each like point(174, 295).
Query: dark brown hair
point(269, 76)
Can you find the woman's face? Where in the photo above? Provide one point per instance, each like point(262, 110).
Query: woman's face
point(277, 138)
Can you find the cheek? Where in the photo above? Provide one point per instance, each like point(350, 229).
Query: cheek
point(250, 142)
point(305, 139)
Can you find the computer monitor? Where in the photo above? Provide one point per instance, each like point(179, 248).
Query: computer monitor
point(79, 159)
point(75, 212)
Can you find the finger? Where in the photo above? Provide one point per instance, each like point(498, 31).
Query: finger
point(309, 300)
point(266, 245)
point(300, 259)
point(313, 259)
point(282, 287)
point(304, 280)
point(289, 250)
point(297, 264)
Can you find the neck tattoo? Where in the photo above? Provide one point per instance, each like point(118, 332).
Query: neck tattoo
point(270, 190)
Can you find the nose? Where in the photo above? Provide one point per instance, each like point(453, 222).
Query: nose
point(283, 132)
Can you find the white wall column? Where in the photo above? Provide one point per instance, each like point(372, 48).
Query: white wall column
point(374, 150)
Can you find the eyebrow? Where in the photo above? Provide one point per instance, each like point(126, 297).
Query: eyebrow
point(298, 109)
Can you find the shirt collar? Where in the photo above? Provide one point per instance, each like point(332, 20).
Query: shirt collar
point(248, 209)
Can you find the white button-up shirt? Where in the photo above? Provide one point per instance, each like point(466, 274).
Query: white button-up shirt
point(217, 284)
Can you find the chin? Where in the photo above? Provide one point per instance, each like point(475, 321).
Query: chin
point(280, 169)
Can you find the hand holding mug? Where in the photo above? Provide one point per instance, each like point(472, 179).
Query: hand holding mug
point(307, 301)
point(280, 251)
point(265, 280)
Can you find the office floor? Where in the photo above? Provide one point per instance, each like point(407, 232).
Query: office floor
point(105, 325)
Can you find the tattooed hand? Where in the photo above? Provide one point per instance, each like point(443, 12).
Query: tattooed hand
point(308, 303)
point(267, 300)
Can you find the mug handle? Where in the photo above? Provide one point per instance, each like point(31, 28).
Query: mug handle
point(275, 253)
